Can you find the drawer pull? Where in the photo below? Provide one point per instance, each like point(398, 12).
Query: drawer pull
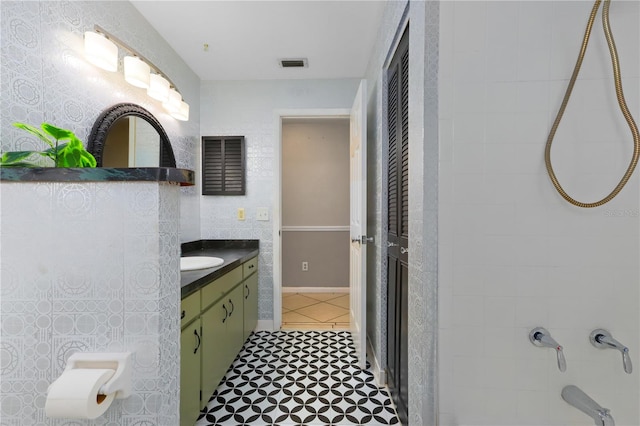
point(183, 314)
point(232, 307)
point(199, 341)
point(226, 313)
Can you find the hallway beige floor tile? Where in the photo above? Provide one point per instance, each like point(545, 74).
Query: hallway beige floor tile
point(324, 297)
point(342, 301)
point(345, 319)
point(322, 312)
point(315, 311)
point(295, 317)
point(297, 301)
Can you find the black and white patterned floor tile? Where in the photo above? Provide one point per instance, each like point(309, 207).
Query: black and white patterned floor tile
point(298, 378)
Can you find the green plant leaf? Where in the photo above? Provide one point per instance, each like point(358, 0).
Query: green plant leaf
point(57, 132)
point(36, 132)
point(12, 157)
point(21, 164)
point(68, 154)
point(88, 160)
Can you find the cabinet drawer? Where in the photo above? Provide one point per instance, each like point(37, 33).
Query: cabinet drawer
point(250, 266)
point(216, 289)
point(190, 308)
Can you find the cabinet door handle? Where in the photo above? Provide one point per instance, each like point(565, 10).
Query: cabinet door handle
point(226, 313)
point(199, 341)
point(232, 307)
point(183, 314)
point(248, 291)
point(404, 250)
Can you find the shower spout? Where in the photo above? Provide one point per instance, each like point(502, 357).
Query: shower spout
point(577, 398)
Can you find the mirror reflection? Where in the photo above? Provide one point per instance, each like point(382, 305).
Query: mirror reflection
point(127, 135)
point(131, 142)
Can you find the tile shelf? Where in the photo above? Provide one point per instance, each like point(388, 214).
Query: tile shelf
point(183, 177)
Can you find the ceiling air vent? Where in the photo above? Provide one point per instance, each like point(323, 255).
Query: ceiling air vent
point(294, 63)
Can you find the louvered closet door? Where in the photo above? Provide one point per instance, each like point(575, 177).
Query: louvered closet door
point(398, 225)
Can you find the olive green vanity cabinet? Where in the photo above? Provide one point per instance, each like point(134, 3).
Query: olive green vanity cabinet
point(250, 293)
point(216, 321)
point(221, 339)
point(190, 359)
point(190, 343)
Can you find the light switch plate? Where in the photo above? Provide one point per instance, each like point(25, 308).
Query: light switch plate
point(262, 213)
point(240, 213)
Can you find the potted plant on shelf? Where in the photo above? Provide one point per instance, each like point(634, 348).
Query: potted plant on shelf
point(70, 153)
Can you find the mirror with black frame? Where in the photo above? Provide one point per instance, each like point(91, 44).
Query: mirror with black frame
point(127, 135)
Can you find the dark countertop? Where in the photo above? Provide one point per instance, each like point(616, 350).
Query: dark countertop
point(234, 253)
point(184, 177)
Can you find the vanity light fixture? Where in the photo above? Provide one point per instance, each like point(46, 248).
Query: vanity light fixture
point(158, 87)
point(183, 113)
point(101, 49)
point(136, 72)
point(172, 104)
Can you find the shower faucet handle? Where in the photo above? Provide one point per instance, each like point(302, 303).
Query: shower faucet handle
point(602, 339)
point(542, 338)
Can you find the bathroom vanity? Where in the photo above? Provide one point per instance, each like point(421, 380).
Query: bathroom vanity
point(219, 310)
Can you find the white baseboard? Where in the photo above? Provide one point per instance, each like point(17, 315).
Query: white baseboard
point(264, 325)
point(379, 374)
point(315, 289)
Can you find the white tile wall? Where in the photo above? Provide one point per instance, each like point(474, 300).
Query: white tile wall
point(90, 267)
point(59, 293)
point(46, 78)
point(513, 254)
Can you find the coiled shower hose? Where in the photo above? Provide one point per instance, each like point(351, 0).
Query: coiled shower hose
point(621, 103)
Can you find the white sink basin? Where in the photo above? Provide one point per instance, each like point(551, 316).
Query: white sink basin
point(191, 263)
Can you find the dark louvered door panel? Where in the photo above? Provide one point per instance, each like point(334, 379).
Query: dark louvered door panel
point(404, 156)
point(211, 167)
point(223, 165)
point(233, 166)
point(398, 226)
point(392, 180)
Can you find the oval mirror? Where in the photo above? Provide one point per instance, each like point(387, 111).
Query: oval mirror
point(127, 135)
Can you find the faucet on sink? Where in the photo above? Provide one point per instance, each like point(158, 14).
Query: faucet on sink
point(576, 397)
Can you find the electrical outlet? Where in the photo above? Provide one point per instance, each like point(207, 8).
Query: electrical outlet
point(240, 213)
point(305, 266)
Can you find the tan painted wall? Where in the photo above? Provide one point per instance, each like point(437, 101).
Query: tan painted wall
point(315, 192)
point(327, 253)
point(315, 173)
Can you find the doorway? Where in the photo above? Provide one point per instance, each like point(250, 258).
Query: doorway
point(357, 215)
point(315, 223)
point(283, 119)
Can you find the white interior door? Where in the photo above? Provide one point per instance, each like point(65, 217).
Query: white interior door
point(358, 222)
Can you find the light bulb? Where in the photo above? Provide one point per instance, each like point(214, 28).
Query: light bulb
point(158, 87)
point(100, 51)
point(136, 72)
point(172, 104)
point(183, 113)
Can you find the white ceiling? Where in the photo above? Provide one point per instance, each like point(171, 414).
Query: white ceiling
point(246, 38)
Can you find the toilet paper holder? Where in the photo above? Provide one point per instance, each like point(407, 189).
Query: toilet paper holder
point(120, 362)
